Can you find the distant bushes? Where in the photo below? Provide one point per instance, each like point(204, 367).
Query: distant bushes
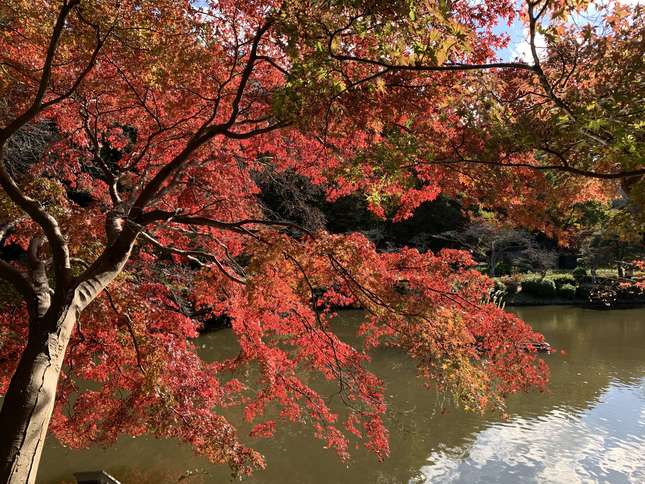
point(565, 288)
point(539, 287)
point(511, 283)
point(563, 279)
point(579, 273)
point(567, 291)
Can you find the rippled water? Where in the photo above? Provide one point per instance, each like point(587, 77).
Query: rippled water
point(589, 427)
point(606, 443)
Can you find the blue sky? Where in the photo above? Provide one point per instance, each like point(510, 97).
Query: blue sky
point(516, 32)
point(519, 47)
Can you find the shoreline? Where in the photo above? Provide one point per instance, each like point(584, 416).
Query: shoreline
point(583, 303)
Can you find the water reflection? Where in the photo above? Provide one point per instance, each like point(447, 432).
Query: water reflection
point(589, 427)
point(604, 444)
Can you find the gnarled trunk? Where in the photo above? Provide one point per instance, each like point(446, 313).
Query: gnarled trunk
point(29, 401)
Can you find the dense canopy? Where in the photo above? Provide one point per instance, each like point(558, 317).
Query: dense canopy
point(132, 136)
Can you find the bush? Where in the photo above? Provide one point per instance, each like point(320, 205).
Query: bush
point(563, 279)
point(579, 273)
point(584, 291)
point(511, 283)
point(567, 291)
point(539, 287)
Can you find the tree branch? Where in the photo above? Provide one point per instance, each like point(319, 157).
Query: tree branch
point(128, 321)
point(451, 67)
point(28, 205)
point(193, 255)
point(204, 134)
point(238, 226)
point(563, 168)
point(36, 106)
point(48, 223)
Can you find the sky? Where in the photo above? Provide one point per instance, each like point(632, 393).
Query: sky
point(519, 46)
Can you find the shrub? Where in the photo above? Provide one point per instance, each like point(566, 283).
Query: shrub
point(539, 287)
point(511, 283)
point(584, 291)
point(567, 291)
point(563, 279)
point(579, 273)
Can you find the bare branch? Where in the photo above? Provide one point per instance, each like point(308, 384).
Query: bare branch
point(128, 321)
point(193, 255)
point(176, 217)
point(563, 168)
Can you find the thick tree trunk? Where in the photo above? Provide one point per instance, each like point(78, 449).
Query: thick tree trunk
point(30, 399)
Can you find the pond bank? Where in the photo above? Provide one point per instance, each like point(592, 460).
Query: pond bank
point(566, 289)
point(527, 301)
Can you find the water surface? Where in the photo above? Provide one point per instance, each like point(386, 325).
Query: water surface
point(589, 426)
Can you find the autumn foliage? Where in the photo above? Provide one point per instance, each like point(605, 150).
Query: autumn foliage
point(132, 135)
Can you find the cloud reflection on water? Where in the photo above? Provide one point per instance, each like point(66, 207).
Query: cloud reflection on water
point(605, 443)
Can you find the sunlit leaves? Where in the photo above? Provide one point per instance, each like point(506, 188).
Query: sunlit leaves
point(182, 108)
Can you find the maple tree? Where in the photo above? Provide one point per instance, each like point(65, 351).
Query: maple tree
point(131, 133)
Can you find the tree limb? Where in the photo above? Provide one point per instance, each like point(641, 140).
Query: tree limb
point(193, 255)
point(36, 106)
point(204, 134)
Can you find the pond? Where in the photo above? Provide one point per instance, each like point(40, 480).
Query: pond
point(588, 427)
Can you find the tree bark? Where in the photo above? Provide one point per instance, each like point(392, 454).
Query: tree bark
point(30, 398)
